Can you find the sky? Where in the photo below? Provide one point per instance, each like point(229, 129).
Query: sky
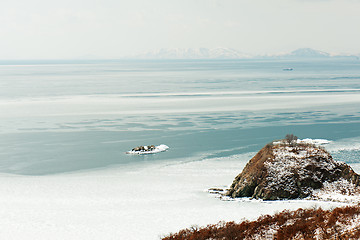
point(58, 29)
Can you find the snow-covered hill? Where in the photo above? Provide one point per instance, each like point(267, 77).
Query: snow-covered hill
point(307, 53)
point(304, 53)
point(193, 53)
point(290, 169)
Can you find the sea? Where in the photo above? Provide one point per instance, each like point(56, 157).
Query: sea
point(66, 118)
point(62, 116)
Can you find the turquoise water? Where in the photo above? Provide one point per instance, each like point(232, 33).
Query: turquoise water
point(61, 116)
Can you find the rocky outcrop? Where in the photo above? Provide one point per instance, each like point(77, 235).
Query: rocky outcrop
point(289, 170)
point(144, 148)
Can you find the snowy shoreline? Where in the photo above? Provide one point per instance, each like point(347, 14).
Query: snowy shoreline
point(114, 203)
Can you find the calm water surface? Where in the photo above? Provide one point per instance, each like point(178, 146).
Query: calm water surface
point(60, 116)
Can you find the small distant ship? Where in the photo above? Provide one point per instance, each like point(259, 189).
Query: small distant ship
point(288, 69)
point(148, 149)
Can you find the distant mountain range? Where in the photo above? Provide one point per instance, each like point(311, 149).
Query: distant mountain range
point(229, 53)
point(193, 53)
point(304, 53)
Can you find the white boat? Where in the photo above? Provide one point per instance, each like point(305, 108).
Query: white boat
point(148, 149)
point(288, 69)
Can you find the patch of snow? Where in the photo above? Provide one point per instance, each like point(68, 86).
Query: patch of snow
point(338, 191)
point(277, 142)
point(287, 159)
point(267, 233)
point(350, 144)
point(351, 225)
point(317, 142)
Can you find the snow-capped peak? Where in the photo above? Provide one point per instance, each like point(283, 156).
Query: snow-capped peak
point(308, 52)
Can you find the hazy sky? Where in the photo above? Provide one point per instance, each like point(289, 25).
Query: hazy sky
point(31, 29)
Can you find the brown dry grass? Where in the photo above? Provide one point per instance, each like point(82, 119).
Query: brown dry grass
point(299, 224)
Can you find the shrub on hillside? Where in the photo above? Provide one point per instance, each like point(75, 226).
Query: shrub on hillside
point(339, 223)
point(291, 138)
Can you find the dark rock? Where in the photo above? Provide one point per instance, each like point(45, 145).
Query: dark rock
point(144, 148)
point(136, 149)
point(289, 171)
point(216, 190)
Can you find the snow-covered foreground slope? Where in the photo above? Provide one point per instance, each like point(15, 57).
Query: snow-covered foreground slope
point(126, 204)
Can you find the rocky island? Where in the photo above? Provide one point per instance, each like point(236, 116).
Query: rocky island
point(148, 149)
point(290, 169)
